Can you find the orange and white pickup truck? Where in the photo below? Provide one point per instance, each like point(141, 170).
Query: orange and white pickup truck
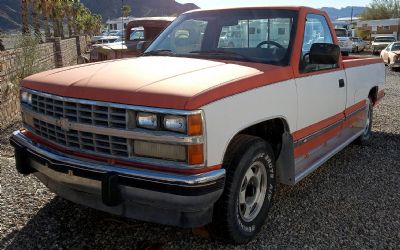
point(199, 130)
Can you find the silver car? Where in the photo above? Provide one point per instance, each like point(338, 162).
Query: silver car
point(358, 44)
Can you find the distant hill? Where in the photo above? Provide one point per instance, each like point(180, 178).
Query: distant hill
point(343, 12)
point(10, 10)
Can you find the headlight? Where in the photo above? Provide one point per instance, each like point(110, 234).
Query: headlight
point(175, 123)
point(147, 120)
point(26, 97)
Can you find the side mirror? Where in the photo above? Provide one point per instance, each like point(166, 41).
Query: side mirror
point(324, 53)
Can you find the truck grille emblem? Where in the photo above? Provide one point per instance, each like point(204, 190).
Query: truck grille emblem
point(64, 124)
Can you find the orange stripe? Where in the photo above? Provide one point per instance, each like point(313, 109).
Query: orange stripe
point(355, 107)
point(312, 144)
point(351, 62)
point(119, 162)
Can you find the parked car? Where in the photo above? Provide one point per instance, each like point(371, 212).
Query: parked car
point(140, 30)
point(358, 44)
point(192, 133)
point(345, 43)
point(391, 55)
point(381, 42)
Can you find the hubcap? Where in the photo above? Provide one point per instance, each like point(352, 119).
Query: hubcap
point(252, 191)
point(368, 123)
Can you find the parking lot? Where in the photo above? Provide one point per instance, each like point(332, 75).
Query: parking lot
point(352, 201)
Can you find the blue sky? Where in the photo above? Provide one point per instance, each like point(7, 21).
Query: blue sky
point(310, 3)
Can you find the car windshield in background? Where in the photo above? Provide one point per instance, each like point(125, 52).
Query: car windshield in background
point(384, 39)
point(396, 46)
point(341, 32)
point(246, 35)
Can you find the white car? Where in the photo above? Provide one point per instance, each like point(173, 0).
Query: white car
point(381, 42)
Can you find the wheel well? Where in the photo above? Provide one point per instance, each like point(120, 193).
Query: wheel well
point(373, 94)
point(271, 131)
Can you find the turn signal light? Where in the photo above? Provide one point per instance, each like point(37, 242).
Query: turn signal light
point(195, 125)
point(195, 154)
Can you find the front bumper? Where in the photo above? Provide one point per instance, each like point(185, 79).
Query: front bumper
point(346, 49)
point(172, 199)
point(395, 65)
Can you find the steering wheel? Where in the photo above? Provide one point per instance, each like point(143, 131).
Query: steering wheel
point(270, 42)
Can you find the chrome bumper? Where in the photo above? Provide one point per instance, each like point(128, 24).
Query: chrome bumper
point(181, 200)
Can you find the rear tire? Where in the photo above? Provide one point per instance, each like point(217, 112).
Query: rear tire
point(243, 207)
point(366, 136)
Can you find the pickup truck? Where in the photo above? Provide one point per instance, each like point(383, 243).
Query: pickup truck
point(140, 30)
point(191, 134)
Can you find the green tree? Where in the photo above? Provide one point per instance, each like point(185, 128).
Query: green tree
point(126, 10)
point(382, 9)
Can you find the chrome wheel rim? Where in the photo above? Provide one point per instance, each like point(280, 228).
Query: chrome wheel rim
point(252, 191)
point(368, 122)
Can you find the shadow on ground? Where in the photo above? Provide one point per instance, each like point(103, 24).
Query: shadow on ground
point(348, 202)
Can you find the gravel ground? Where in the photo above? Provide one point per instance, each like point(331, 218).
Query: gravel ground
point(351, 202)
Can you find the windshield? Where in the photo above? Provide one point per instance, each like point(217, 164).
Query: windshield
point(341, 32)
point(396, 46)
point(249, 35)
point(384, 39)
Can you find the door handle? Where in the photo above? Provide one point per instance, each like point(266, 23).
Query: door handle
point(341, 83)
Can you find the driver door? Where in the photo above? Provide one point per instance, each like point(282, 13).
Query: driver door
point(321, 97)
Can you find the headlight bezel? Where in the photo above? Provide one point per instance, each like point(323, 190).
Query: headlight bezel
point(144, 115)
point(26, 97)
point(175, 128)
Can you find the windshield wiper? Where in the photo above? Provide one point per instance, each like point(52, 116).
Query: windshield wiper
point(220, 52)
point(159, 52)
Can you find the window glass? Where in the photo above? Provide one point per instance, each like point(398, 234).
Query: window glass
point(137, 35)
point(263, 36)
point(256, 32)
point(186, 37)
point(316, 31)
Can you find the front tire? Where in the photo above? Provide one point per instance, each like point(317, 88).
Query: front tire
point(366, 135)
point(250, 185)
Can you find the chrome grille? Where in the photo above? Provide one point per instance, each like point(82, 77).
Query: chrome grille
point(78, 112)
point(79, 140)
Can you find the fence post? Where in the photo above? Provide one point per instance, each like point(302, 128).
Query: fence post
point(57, 52)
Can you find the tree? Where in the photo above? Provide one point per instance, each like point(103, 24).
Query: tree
point(45, 9)
point(35, 18)
point(382, 9)
point(25, 16)
point(126, 9)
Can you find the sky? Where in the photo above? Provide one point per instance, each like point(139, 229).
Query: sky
point(205, 4)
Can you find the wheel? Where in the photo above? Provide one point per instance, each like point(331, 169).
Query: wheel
point(366, 135)
point(249, 187)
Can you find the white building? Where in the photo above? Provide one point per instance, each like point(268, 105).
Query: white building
point(381, 27)
point(118, 23)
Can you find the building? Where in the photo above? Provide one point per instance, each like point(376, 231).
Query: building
point(372, 28)
point(116, 23)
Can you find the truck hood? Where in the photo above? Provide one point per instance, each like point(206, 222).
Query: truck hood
point(167, 82)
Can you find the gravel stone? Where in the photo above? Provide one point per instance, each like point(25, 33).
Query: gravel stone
point(351, 202)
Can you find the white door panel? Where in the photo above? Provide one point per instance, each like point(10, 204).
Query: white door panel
point(320, 97)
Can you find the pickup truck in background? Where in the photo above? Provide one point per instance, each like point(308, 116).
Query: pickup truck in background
point(345, 43)
point(141, 30)
point(194, 133)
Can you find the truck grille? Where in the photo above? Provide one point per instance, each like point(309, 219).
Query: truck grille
point(84, 141)
point(97, 115)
